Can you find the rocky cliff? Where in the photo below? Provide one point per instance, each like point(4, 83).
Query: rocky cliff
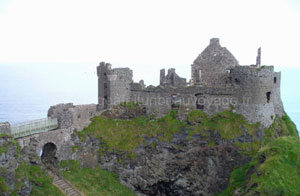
point(172, 157)
point(20, 171)
point(203, 155)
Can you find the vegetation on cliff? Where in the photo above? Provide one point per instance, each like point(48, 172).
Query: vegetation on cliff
point(279, 144)
point(93, 182)
point(274, 170)
point(41, 183)
point(18, 177)
point(126, 135)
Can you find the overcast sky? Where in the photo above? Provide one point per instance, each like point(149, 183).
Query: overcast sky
point(148, 35)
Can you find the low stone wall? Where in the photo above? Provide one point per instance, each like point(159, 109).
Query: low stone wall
point(5, 128)
point(75, 116)
point(61, 112)
point(82, 114)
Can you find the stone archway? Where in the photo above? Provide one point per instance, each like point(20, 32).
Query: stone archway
point(48, 155)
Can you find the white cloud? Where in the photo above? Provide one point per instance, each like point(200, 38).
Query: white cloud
point(152, 34)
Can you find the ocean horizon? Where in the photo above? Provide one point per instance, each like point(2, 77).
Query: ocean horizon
point(28, 90)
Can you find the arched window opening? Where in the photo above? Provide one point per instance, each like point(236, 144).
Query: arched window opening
point(200, 102)
point(175, 102)
point(268, 97)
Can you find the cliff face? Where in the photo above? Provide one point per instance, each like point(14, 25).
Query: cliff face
point(181, 167)
point(204, 155)
point(9, 162)
point(20, 171)
point(172, 157)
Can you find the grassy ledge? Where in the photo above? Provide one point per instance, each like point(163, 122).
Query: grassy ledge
point(42, 184)
point(126, 135)
point(275, 167)
point(94, 182)
point(274, 170)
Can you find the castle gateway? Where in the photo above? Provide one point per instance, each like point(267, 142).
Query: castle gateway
point(217, 83)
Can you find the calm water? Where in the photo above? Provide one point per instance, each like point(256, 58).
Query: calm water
point(28, 90)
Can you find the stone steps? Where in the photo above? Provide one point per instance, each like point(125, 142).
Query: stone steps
point(66, 187)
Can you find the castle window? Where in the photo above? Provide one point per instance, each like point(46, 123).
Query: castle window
point(275, 80)
point(200, 107)
point(268, 96)
point(237, 81)
point(200, 102)
point(228, 72)
point(175, 102)
point(105, 85)
point(199, 75)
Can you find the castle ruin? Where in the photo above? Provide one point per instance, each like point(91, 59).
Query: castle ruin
point(217, 83)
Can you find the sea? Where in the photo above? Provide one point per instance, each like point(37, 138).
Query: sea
point(27, 90)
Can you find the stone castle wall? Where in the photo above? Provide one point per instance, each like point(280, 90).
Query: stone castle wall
point(278, 105)
point(5, 128)
point(257, 86)
point(62, 113)
point(211, 67)
point(113, 85)
point(71, 116)
point(218, 83)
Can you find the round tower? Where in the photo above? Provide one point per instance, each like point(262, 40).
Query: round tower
point(255, 90)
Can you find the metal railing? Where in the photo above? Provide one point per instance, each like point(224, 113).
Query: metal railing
point(33, 127)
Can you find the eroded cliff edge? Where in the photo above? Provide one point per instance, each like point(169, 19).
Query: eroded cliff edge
point(201, 155)
point(167, 156)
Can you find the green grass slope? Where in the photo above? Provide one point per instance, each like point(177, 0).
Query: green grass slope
point(94, 182)
point(280, 145)
point(274, 171)
point(42, 184)
point(275, 167)
point(126, 135)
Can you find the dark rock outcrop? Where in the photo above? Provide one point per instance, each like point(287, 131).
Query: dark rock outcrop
point(184, 166)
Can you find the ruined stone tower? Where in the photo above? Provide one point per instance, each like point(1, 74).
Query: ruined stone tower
point(171, 79)
point(113, 85)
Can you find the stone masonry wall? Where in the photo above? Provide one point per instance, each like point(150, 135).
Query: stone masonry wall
point(279, 110)
point(62, 113)
point(255, 90)
point(113, 85)
point(157, 103)
point(119, 85)
point(211, 67)
point(81, 115)
point(5, 128)
point(61, 138)
point(69, 115)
